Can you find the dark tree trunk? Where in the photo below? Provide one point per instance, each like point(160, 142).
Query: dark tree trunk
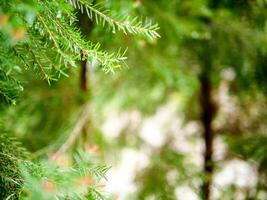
point(86, 27)
point(208, 134)
point(84, 74)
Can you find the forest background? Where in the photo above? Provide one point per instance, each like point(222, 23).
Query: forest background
point(183, 117)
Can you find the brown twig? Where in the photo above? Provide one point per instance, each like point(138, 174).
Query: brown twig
point(83, 119)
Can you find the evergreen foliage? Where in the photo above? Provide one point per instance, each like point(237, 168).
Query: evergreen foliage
point(42, 39)
point(53, 180)
point(43, 36)
point(201, 38)
point(11, 154)
point(22, 179)
point(209, 50)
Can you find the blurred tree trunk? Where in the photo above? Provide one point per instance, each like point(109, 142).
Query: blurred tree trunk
point(86, 27)
point(207, 115)
point(206, 118)
point(84, 75)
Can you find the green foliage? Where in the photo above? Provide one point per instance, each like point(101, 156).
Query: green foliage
point(168, 169)
point(47, 179)
point(255, 152)
point(199, 36)
point(53, 180)
point(11, 155)
point(126, 24)
point(43, 40)
point(43, 36)
point(10, 87)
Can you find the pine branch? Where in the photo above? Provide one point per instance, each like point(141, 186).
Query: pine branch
point(95, 195)
point(9, 87)
point(49, 180)
point(11, 155)
point(125, 24)
point(66, 38)
point(52, 37)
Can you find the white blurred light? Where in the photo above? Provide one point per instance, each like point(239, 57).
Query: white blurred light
point(185, 193)
point(236, 172)
point(154, 130)
point(151, 133)
point(228, 74)
point(121, 177)
point(116, 122)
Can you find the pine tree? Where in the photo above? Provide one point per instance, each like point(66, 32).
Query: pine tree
point(42, 39)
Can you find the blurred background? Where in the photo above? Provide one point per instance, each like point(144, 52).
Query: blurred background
point(184, 118)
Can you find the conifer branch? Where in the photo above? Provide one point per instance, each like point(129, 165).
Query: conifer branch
point(9, 86)
point(40, 66)
point(51, 36)
point(125, 24)
point(71, 40)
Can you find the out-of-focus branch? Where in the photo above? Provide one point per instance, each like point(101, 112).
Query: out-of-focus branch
point(84, 79)
point(83, 119)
